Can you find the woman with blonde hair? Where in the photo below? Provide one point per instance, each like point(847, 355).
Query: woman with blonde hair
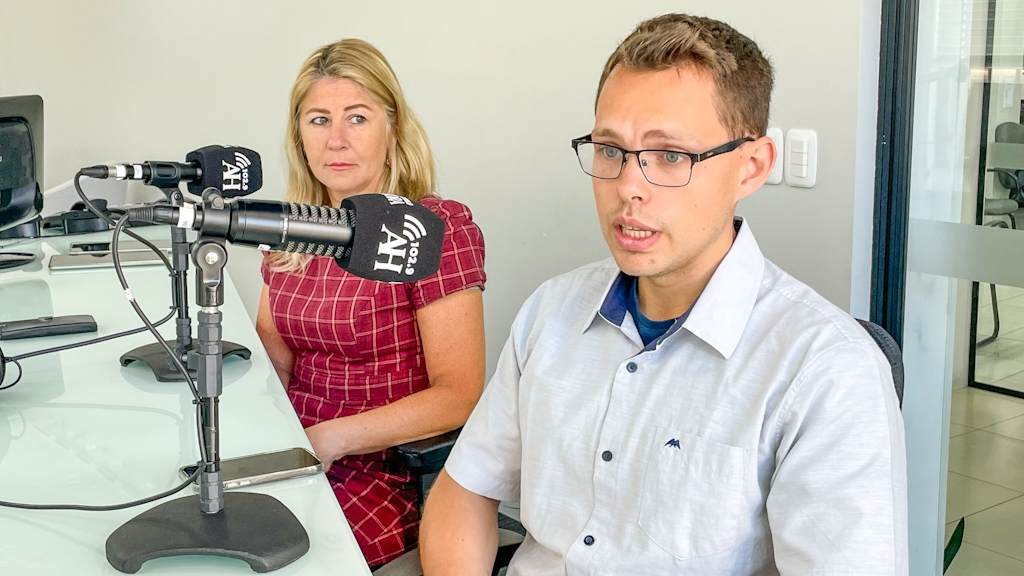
point(370, 365)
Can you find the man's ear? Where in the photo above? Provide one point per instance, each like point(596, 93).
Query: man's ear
point(757, 165)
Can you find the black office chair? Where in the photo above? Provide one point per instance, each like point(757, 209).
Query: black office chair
point(892, 353)
point(1009, 178)
point(426, 458)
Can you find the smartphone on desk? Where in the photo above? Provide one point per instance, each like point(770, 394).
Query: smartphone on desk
point(262, 468)
point(126, 246)
point(86, 260)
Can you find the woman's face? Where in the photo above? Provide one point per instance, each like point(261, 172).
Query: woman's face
point(345, 138)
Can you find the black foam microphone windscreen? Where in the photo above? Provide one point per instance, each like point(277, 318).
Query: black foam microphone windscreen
point(233, 170)
point(394, 239)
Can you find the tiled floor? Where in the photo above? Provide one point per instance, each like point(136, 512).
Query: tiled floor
point(986, 448)
point(986, 482)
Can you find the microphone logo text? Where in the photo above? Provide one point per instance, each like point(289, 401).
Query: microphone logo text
point(396, 200)
point(400, 251)
point(236, 175)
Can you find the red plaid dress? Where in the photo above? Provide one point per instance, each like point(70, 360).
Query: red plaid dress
point(357, 347)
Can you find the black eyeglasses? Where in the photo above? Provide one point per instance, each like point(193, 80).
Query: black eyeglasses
point(669, 168)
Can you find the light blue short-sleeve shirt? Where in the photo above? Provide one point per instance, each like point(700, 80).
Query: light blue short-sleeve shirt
point(760, 435)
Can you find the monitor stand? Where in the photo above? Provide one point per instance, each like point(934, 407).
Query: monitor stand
point(29, 229)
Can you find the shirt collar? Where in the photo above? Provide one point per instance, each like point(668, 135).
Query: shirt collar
point(720, 313)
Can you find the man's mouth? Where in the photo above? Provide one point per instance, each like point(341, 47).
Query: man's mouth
point(634, 232)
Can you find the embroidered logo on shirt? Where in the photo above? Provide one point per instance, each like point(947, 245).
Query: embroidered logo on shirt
point(674, 443)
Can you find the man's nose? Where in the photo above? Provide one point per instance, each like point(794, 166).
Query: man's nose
point(632, 184)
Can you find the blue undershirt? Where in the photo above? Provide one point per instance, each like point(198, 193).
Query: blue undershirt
point(650, 330)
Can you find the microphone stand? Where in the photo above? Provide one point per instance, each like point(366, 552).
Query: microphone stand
point(253, 527)
point(153, 355)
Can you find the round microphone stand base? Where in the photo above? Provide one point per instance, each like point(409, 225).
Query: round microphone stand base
point(154, 356)
point(253, 527)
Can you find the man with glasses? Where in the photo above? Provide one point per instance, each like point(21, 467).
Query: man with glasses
point(687, 408)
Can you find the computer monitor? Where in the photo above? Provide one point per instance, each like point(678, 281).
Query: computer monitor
point(21, 166)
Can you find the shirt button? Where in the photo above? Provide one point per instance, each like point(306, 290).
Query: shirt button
point(589, 540)
point(606, 456)
point(631, 366)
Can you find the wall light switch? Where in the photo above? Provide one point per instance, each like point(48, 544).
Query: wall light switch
point(780, 154)
point(801, 158)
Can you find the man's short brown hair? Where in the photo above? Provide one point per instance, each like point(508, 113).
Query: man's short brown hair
point(742, 74)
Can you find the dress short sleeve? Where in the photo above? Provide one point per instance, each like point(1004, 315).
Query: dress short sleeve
point(462, 258)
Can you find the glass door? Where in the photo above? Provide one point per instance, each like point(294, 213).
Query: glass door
point(964, 257)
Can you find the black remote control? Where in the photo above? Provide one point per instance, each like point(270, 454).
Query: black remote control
point(47, 326)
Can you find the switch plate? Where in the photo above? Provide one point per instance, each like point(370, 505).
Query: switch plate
point(780, 156)
point(802, 158)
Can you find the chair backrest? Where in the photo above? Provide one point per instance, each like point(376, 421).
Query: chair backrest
point(1011, 133)
point(892, 353)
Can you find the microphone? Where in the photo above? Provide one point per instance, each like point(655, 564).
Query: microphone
point(397, 240)
point(233, 170)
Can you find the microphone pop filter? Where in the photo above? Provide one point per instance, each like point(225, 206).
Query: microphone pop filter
point(394, 239)
point(233, 170)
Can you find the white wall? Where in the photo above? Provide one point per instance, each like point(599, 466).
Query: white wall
point(130, 81)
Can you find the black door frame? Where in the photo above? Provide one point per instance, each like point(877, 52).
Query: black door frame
point(897, 67)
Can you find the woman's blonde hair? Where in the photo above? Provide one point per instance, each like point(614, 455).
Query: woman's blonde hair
point(409, 167)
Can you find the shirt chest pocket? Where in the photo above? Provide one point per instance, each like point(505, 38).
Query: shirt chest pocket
point(691, 494)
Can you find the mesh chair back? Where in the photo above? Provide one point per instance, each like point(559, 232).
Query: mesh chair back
point(892, 353)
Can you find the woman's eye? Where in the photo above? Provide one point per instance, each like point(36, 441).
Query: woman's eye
point(357, 119)
point(319, 120)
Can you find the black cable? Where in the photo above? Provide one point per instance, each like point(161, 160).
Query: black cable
point(92, 207)
point(200, 467)
point(3, 371)
point(114, 240)
point(204, 459)
point(161, 322)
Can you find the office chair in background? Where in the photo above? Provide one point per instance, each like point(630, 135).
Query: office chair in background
point(1007, 162)
point(426, 458)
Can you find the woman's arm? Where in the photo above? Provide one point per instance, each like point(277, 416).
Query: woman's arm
point(281, 356)
point(452, 332)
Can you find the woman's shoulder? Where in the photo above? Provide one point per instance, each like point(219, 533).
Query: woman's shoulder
point(449, 210)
